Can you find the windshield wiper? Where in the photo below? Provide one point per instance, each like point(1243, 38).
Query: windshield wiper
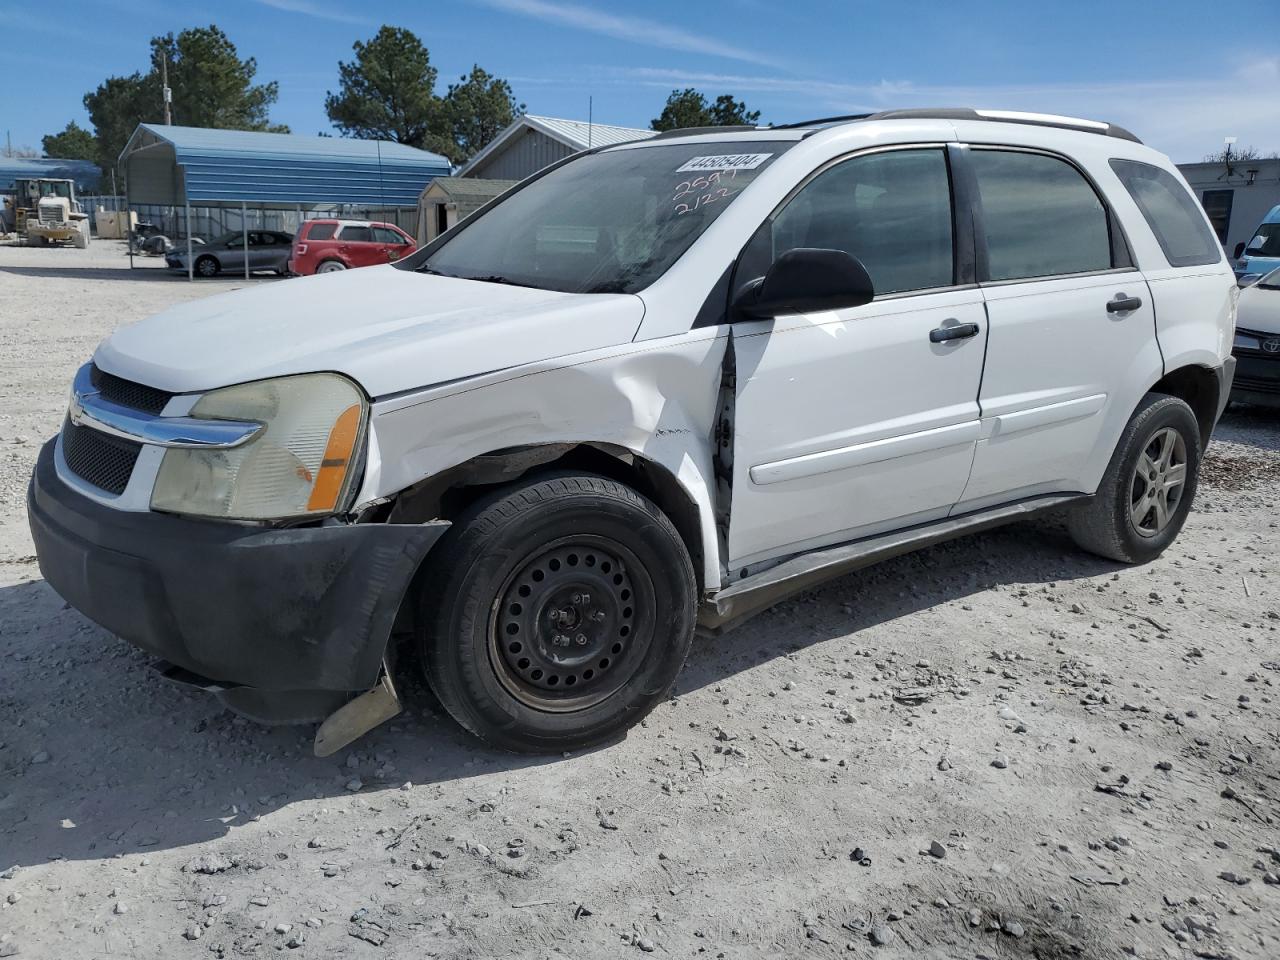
point(496, 278)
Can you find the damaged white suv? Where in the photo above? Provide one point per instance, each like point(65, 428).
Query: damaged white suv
point(657, 385)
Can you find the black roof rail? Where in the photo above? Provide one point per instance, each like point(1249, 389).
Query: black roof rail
point(844, 118)
point(695, 131)
point(968, 113)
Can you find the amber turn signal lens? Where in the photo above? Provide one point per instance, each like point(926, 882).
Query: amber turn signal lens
point(337, 457)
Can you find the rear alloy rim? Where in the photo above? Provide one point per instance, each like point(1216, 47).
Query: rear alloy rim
point(331, 268)
point(1159, 480)
point(572, 624)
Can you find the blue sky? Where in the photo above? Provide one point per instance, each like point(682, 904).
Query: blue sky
point(1167, 71)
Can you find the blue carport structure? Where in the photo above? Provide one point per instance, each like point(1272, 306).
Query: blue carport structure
point(181, 166)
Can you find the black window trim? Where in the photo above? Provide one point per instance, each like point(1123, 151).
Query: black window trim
point(961, 240)
point(1121, 250)
point(1160, 240)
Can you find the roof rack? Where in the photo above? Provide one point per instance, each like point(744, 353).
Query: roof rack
point(968, 113)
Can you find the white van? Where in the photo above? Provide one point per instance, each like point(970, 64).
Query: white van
point(657, 385)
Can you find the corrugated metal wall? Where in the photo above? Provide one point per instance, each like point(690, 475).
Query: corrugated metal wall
point(530, 153)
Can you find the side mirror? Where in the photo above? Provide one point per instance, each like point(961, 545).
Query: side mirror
point(1239, 251)
point(806, 280)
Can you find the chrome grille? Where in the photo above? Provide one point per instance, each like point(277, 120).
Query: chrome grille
point(127, 393)
point(102, 460)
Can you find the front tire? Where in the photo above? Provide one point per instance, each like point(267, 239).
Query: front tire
point(557, 613)
point(207, 267)
point(1146, 493)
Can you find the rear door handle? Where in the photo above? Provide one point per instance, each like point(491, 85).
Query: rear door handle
point(1121, 303)
point(961, 331)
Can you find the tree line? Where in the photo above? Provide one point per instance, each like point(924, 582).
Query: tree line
point(386, 91)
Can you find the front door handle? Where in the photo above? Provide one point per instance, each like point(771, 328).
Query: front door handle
point(1122, 303)
point(961, 331)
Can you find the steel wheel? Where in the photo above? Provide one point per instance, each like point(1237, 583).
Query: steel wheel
point(1159, 478)
point(572, 624)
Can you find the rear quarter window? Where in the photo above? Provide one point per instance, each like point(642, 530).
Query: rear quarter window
point(322, 231)
point(1171, 212)
point(357, 235)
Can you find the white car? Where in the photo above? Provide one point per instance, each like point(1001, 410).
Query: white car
point(1257, 343)
point(657, 385)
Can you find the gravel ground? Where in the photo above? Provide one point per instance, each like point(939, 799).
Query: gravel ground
point(998, 747)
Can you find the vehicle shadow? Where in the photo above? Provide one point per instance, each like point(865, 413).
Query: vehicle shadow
point(99, 756)
point(1249, 425)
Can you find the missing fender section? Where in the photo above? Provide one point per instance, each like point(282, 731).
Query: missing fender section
point(722, 456)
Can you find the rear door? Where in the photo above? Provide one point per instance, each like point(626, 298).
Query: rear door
point(356, 245)
point(1071, 336)
point(850, 422)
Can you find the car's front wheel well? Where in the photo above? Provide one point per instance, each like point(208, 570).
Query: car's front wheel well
point(449, 493)
point(1198, 387)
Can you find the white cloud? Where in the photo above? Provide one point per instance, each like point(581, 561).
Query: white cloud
point(633, 29)
point(309, 9)
point(1185, 118)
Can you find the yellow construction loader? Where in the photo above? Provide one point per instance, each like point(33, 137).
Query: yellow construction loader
point(46, 211)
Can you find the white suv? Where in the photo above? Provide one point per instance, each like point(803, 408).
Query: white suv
point(657, 385)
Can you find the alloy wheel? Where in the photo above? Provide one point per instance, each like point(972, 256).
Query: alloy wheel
point(1159, 480)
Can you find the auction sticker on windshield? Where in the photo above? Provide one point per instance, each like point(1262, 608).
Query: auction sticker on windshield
point(728, 161)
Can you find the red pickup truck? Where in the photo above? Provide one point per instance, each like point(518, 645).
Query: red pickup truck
point(326, 246)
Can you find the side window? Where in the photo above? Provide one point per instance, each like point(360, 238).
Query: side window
point(1171, 212)
point(357, 235)
point(387, 235)
point(891, 210)
point(1042, 218)
point(322, 231)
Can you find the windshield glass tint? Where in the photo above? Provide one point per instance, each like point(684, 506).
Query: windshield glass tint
point(610, 222)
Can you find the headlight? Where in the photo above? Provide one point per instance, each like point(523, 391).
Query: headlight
point(301, 464)
point(1247, 342)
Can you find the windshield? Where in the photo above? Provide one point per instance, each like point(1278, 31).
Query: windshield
point(1266, 242)
point(610, 222)
point(1270, 281)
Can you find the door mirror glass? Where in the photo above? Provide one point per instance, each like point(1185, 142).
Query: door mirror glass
point(806, 280)
point(1239, 250)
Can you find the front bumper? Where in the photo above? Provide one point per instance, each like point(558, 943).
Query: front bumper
point(1257, 379)
point(288, 609)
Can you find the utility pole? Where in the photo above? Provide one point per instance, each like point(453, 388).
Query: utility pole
point(168, 94)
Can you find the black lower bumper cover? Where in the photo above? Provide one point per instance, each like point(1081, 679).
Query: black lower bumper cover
point(302, 608)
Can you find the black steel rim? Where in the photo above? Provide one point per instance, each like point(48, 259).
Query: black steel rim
point(572, 623)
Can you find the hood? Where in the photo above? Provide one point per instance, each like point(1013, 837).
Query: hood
point(1258, 310)
point(388, 329)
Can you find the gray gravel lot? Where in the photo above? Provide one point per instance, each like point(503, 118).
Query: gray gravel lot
point(998, 747)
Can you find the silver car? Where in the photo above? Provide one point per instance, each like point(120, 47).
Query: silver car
point(268, 250)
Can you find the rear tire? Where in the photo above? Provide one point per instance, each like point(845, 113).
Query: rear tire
point(556, 613)
point(331, 266)
point(1146, 493)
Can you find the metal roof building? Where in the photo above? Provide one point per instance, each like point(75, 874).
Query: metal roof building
point(192, 165)
point(531, 143)
point(84, 172)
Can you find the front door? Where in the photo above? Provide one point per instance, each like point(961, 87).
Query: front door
point(1072, 329)
point(850, 422)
